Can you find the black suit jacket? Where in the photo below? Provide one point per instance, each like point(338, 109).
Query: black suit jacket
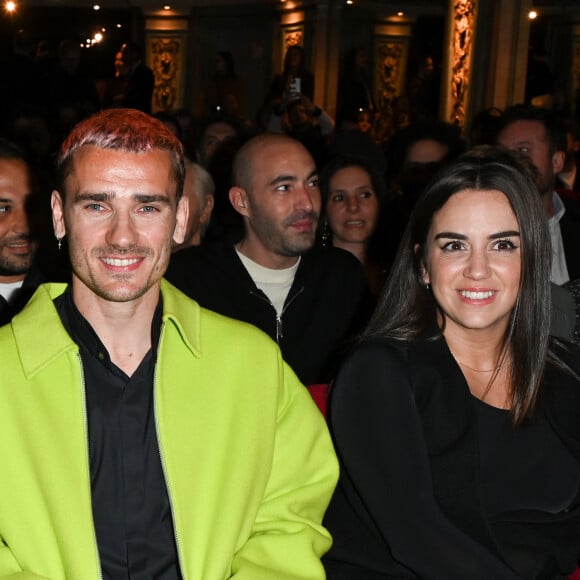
point(8, 310)
point(570, 228)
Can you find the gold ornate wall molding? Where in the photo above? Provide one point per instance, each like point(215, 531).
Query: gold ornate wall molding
point(167, 61)
point(391, 53)
point(291, 32)
point(293, 36)
point(463, 15)
point(389, 71)
point(166, 42)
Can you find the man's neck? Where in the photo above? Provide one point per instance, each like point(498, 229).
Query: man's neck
point(263, 257)
point(12, 279)
point(9, 289)
point(123, 327)
point(548, 201)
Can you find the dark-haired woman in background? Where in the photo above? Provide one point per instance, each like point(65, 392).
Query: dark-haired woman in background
point(223, 86)
point(353, 192)
point(456, 417)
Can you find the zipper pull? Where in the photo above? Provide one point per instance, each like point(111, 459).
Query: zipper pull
point(279, 328)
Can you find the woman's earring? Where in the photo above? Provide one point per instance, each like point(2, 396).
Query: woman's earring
point(325, 233)
point(59, 243)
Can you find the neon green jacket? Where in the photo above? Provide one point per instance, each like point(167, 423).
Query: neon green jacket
point(247, 457)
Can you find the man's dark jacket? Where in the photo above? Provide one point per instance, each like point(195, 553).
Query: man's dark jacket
point(327, 303)
point(19, 300)
point(570, 228)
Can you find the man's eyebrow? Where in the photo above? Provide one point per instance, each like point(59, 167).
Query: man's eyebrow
point(81, 197)
point(6, 200)
point(138, 197)
point(151, 198)
point(282, 179)
point(286, 178)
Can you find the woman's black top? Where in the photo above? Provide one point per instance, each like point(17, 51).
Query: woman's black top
point(437, 485)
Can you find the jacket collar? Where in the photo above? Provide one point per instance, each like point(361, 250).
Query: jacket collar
point(37, 349)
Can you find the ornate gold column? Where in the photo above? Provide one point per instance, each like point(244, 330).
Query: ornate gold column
point(461, 24)
point(391, 55)
point(166, 54)
point(486, 64)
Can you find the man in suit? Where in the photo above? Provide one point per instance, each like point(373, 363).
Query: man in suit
point(538, 134)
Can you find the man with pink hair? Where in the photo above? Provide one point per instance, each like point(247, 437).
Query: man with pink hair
point(146, 437)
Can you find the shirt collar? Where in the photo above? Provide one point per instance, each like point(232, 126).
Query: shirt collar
point(83, 333)
point(559, 208)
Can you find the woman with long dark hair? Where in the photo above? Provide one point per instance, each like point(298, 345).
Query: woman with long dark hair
point(457, 417)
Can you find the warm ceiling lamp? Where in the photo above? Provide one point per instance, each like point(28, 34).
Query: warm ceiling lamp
point(96, 7)
point(10, 6)
point(532, 14)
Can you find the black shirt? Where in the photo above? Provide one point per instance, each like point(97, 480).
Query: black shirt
point(131, 509)
point(533, 454)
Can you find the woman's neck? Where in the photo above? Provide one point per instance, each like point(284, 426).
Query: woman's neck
point(486, 365)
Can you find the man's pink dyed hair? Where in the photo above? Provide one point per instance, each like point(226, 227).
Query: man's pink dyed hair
point(127, 130)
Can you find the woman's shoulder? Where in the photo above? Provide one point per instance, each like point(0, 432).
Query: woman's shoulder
point(374, 370)
point(391, 370)
point(373, 360)
point(411, 350)
point(381, 348)
point(391, 355)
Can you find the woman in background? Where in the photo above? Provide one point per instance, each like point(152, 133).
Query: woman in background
point(456, 416)
point(353, 192)
point(222, 87)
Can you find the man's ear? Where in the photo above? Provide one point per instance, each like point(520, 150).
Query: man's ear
point(57, 205)
point(239, 199)
point(205, 213)
point(558, 161)
point(182, 213)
